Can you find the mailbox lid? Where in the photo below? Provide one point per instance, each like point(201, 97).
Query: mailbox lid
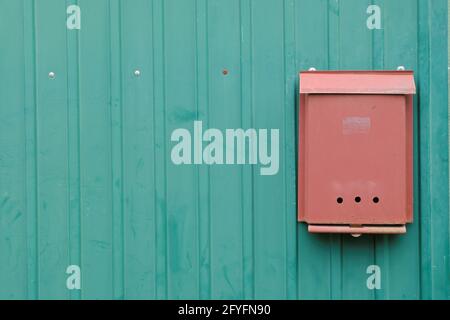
point(357, 82)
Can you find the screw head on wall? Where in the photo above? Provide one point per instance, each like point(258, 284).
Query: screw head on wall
point(137, 73)
point(51, 75)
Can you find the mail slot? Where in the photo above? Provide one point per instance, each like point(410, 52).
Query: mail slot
point(356, 151)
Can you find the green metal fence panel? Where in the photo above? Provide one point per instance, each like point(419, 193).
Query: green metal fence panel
point(86, 176)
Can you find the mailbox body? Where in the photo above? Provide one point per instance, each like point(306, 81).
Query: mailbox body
point(356, 157)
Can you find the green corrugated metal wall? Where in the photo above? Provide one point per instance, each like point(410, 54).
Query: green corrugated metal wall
point(85, 171)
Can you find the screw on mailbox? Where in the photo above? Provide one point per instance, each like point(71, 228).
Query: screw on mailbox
point(356, 235)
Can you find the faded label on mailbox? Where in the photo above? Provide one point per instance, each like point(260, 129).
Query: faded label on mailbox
point(356, 125)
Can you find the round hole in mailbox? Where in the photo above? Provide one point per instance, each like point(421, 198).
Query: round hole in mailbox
point(376, 200)
point(340, 200)
point(358, 199)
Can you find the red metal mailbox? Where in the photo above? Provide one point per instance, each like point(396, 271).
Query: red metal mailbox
point(355, 153)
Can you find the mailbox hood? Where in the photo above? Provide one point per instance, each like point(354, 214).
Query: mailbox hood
point(357, 82)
